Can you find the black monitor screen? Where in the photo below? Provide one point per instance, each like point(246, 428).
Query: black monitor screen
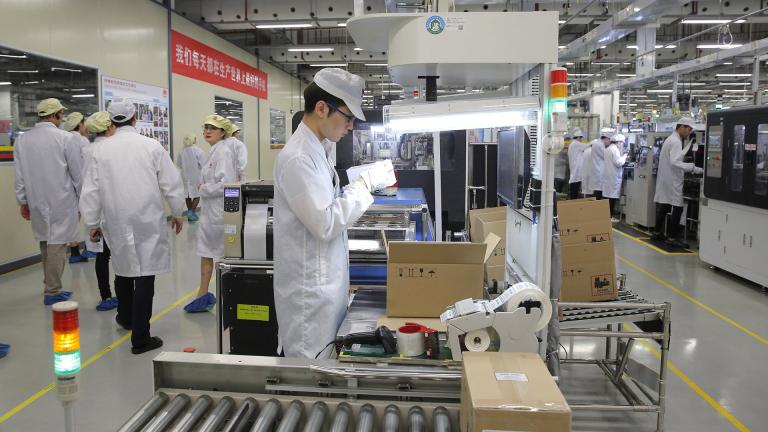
point(514, 170)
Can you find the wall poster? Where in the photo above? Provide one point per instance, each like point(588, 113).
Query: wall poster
point(152, 116)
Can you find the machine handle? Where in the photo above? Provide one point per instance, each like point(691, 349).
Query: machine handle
point(750, 241)
point(744, 239)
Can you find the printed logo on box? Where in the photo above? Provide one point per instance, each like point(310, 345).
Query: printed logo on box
point(598, 237)
point(602, 284)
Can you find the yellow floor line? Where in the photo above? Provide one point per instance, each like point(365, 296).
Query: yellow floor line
point(650, 246)
point(697, 389)
point(18, 408)
point(694, 300)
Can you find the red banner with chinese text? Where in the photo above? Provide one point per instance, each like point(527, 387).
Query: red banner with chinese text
point(201, 62)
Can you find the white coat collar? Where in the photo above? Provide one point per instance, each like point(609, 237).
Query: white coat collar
point(315, 144)
point(45, 124)
point(99, 138)
point(125, 129)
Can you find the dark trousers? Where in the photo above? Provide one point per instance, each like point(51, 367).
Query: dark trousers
point(134, 305)
point(573, 193)
point(597, 194)
point(102, 272)
point(673, 227)
point(614, 205)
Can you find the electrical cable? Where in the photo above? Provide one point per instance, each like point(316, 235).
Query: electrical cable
point(324, 348)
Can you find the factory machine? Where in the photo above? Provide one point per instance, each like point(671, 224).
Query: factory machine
point(734, 206)
point(640, 186)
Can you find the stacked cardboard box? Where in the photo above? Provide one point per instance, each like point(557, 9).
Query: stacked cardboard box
point(589, 267)
point(491, 221)
point(510, 392)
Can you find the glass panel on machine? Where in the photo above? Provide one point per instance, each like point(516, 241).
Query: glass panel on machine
point(407, 151)
point(761, 164)
point(737, 159)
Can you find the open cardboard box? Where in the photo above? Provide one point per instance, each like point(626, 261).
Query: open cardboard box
point(423, 278)
point(486, 221)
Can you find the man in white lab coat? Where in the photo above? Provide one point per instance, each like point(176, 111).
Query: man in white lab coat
point(613, 171)
point(48, 181)
point(669, 181)
point(575, 157)
point(74, 123)
point(123, 192)
point(597, 163)
point(312, 216)
point(239, 150)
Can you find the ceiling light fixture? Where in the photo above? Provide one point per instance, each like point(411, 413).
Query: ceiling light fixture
point(89, 95)
point(19, 56)
point(733, 75)
point(328, 65)
point(376, 64)
point(717, 46)
point(710, 21)
point(65, 69)
point(311, 49)
point(23, 71)
point(286, 26)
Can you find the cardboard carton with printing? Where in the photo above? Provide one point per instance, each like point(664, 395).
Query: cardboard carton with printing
point(510, 392)
point(486, 221)
point(424, 278)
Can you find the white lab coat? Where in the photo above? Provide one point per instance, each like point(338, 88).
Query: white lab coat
point(240, 155)
point(672, 169)
point(613, 171)
point(81, 140)
point(218, 170)
point(575, 157)
point(596, 167)
point(191, 160)
point(123, 193)
point(48, 179)
point(311, 254)
point(586, 164)
point(87, 152)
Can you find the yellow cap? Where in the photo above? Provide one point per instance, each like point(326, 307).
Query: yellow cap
point(72, 121)
point(232, 128)
point(98, 122)
point(189, 140)
point(217, 121)
point(49, 106)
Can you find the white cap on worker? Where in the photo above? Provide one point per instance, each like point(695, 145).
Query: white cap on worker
point(121, 110)
point(687, 121)
point(619, 138)
point(607, 133)
point(578, 133)
point(345, 86)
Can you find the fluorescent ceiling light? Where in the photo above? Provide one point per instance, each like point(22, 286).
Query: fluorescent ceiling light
point(700, 91)
point(5, 83)
point(626, 75)
point(341, 24)
point(89, 95)
point(604, 47)
point(19, 56)
point(734, 84)
point(734, 95)
point(376, 64)
point(23, 71)
point(233, 117)
point(31, 82)
point(82, 89)
point(561, 21)
point(560, 46)
point(606, 63)
point(707, 100)
point(645, 100)
point(461, 90)
point(734, 91)
point(734, 75)
point(727, 63)
point(461, 114)
point(311, 49)
point(717, 46)
point(660, 91)
point(655, 46)
point(357, 49)
point(328, 65)
point(65, 69)
point(389, 84)
point(580, 75)
point(287, 26)
point(710, 21)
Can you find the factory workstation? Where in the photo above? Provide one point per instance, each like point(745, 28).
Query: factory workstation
point(381, 216)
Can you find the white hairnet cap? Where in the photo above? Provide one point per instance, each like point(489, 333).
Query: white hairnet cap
point(687, 121)
point(98, 122)
point(619, 138)
point(345, 86)
point(72, 121)
point(578, 133)
point(121, 110)
point(607, 133)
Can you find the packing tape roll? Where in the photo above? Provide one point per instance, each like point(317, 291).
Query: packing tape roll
point(410, 341)
point(523, 291)
point(478, 340)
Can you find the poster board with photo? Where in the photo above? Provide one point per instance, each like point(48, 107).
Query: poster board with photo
point(152, 114)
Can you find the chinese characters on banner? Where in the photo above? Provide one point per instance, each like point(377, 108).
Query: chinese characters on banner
point(201, 62)
point(152, 119)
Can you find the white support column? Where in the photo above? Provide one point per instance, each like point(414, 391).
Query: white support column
point(646, 41)
point(756, 96)
point(438, 186)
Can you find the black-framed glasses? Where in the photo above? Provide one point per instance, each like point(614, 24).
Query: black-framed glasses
point(350, 117)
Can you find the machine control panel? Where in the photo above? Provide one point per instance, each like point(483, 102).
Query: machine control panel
point(715, 151)
point(232, 199)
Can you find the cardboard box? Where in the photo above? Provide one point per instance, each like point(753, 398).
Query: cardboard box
point(492, 273)
point(584, 221)
point(424, 278)
point(510, 392)
point(589, 273)
point(486, 221)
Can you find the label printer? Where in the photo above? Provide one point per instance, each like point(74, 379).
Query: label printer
point(248, 220)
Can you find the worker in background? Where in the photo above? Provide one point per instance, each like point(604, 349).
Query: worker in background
point(598, 162)
point(586, 165)
point(100, 124)
point(561, 166)
point(48, 181)
point(669, 181)
point(575, 157)
point(218, 170)
point(125, 184)
point(74, 123)
point(190, 161)
point(238, 149)
point(613, 172)
point(312, 215)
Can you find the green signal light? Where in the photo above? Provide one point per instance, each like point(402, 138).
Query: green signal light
point(66, 363)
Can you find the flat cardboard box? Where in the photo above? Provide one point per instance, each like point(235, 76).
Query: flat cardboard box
point(584, 221)
point(589, 273)
point(491, 220)
point(423, 278)
point(510, 392)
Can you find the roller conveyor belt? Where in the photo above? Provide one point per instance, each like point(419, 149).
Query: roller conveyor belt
point(605, 312)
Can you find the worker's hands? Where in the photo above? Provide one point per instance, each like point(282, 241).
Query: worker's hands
point(698, 171)
point(177, 223)
point(94, 234)
point(24, 211)
point(381, 175)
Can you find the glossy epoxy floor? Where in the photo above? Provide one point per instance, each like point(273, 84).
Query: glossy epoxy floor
point(719, 347)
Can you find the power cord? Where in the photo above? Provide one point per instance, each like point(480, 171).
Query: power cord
point(324, 348)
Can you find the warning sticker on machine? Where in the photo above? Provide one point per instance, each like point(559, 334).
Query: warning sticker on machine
point(511, 376)
point(252, 312)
